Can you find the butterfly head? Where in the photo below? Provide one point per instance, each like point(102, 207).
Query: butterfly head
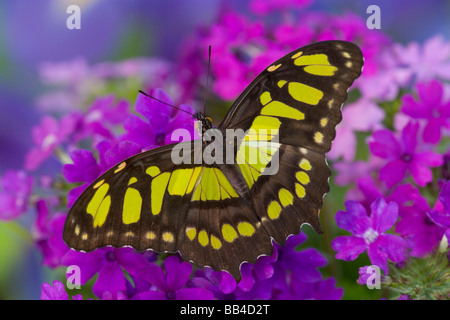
point(206, 123)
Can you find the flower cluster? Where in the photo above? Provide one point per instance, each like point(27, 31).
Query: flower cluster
point(390, 159)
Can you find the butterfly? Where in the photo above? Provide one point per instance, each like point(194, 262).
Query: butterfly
point(221, 214)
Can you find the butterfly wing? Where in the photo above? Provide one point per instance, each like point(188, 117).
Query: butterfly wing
point(299, 97)
point(304, 90)
point(149, 202)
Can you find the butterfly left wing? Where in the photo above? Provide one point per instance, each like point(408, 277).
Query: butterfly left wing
point(129, 204)
point(149, 202)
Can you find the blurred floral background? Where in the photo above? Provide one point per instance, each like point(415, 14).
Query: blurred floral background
point(68, 101)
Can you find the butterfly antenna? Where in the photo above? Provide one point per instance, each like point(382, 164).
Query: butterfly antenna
point(167, 104)
point(207, 80)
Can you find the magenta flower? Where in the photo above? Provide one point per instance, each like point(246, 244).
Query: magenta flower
point(421, 234)
point(427, 61)
point(296, 274)
point(56, 292)
point(267, 7)
point(101, 120)
point(369, 233)
point(361, 116)
point(403, 155)
point(318, 290)
point(15, 190)
point(84, 169)
point(47, 136)
point(441, 214)
point(303, 264)
point(108, 263)
point(431, 107)
point(47, 233)
point(160, 121)
point(170, 285)
point(224, 286)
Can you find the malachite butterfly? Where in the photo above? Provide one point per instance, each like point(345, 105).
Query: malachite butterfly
point(221, 215)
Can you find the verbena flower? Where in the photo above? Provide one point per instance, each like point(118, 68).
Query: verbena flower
point(108, 263)
point(421, 234)
point(361, 116)
point(431, 107)
point(403, 155)
point(170, 283)
point(83, 169)
point(160, 121)
point(56, 292)
point(318, 290)
point(369, 233)
point(440, 215)
point(246, 47)
point(15, 190)
point(266, 7)
point(100, 121)
point(47, 136)
point(47, 233)
point(224, 286)
point(271, 276)
point(427, 61)
point(296, 274)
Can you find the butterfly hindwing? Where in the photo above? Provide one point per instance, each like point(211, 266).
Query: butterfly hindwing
point(221, 215)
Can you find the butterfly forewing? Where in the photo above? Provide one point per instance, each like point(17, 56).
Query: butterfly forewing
point(221, 215)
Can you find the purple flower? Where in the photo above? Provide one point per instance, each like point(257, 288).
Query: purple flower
point(266, 7)
point(296, 268)
point(366, 191)
point(47, 233)
point(369, 233)
point(426, 62)
point(111, 154)
point(15, 190)
point(170, 285)
point(101, 119)
point(221, 283)
point(431, 107)
point(369, 275)
point(47, 136)
point(302, 264)
point(238, 41)
point(160, 121)
point(441, 215)
point(224, 286)
point(421, 234)
point(403, 155)
point(56, 292)
point(317, 290)
point(84, 169)
point(361, 116)
point(108, 263)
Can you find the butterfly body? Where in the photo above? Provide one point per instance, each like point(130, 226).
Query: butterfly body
point(257, 177)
